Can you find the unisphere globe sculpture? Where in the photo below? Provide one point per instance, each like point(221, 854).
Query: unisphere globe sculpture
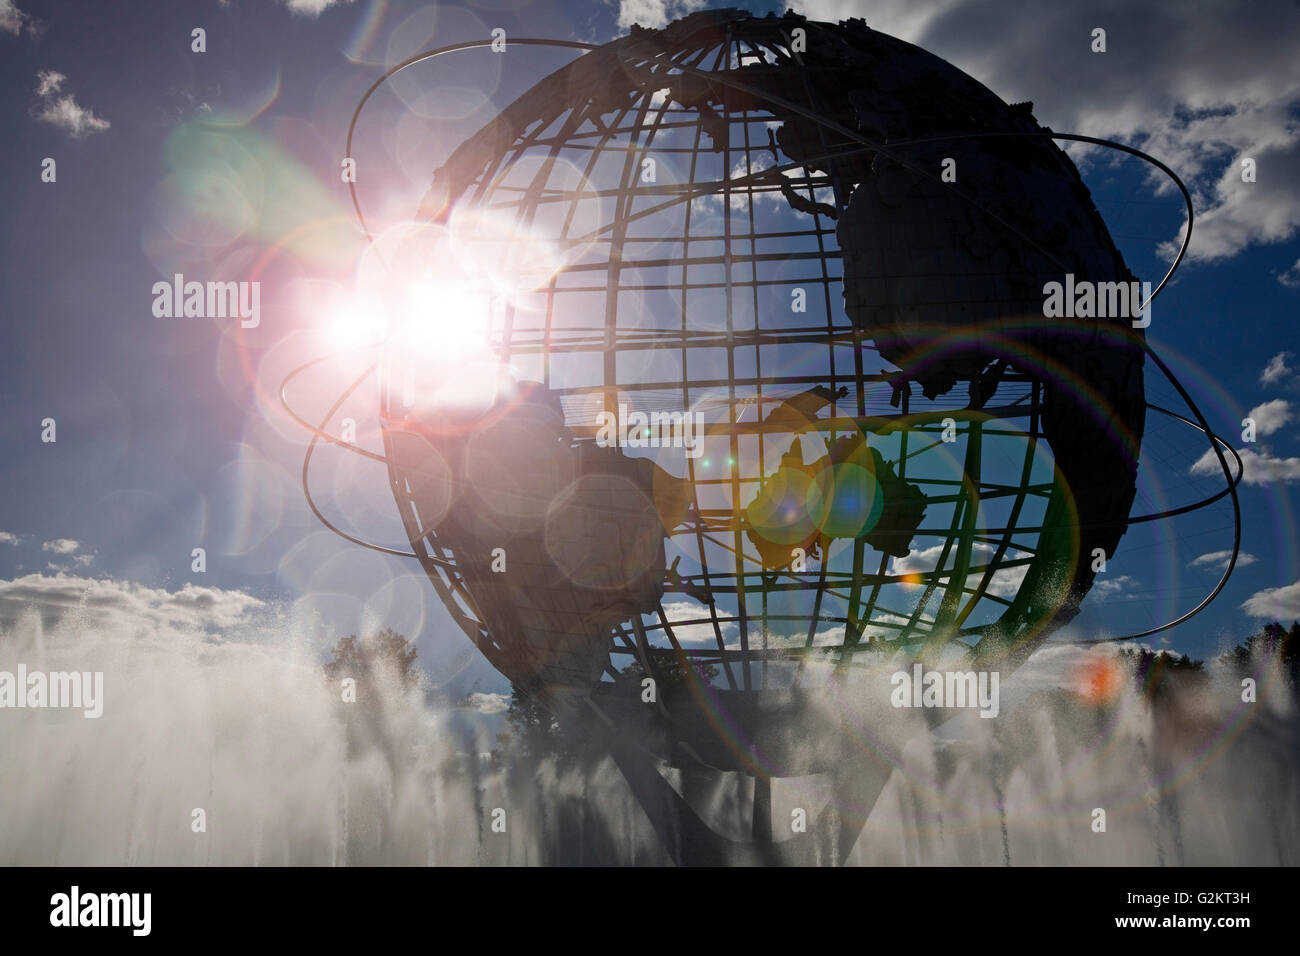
point(690, 223)
point(728, 372)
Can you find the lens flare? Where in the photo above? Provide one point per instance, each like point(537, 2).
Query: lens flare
point(1098, 678)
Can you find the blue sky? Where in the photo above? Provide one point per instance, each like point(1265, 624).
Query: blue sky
point(167, 437)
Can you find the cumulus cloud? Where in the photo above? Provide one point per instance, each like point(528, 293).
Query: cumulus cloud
point(1276, 370)
point(1200, 86)
point(13, 20)
point(686, 610)
point(8, 538)
point(757, 162)
point(1271, 416)
point(1219, 559)
point(654, 13)
point(1060, 664)
point(487, 703)
point(1004, 583)
point(1291, 277)
point(68, 548)
point(1114, 586)
point(61, 546)
point(1260, 468)
point(123, 604)
point(312, 8)
point(1278, 604)
point(61, 109)
point(1056, 664)
point(77, 560)
point(827, 635)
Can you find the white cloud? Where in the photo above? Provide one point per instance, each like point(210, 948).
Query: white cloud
point(1069, 666)
point(1279, 604)
point(122, 603)
point(1271, 416)
point(49, 82)
point(68, 548)
point(12, 20)
point(1056, 664)
point(62, 110)
point(1259, 468)
point(312, 8)
point(1291, 277)
point(658, 103)
point(8, 538)
point(61, 546)
point(827, 635)
point(687, 634)
point(1219, 559)
point(1199, 86)
point(1004, 583)
point(1113, 587)
point(757, 162)
point(487, 703)
point(654, 13)
point(1059, 663)
point(1276, 369)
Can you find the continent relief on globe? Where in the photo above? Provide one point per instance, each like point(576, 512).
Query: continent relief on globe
point(850, 492)
point(583, 529)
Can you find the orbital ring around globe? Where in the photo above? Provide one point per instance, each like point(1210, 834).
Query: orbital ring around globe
point(320, 433)
point(1217, 444)
point(940, 293)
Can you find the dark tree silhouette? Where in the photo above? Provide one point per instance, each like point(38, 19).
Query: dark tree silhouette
point(377, 662)
point(671, 673)
point(1272, 641)
point(533, 728)
point(359, 658)
point(1156, 671)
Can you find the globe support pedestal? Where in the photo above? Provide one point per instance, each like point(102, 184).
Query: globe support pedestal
point(689, 841)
